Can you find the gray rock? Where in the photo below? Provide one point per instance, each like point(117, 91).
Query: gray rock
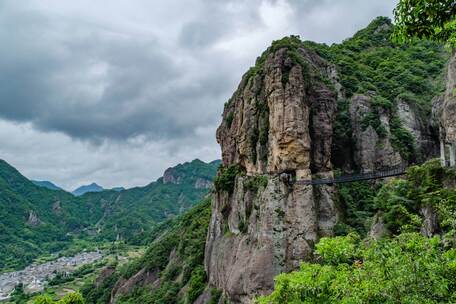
point(283, 130)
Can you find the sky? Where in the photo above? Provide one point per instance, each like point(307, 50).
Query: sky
point(115, 91)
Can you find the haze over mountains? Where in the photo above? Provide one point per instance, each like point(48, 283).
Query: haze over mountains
point(93, 187)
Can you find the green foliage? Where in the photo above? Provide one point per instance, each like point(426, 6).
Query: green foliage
point(406, 269)
point(43, 299)
point(196, 284)
point(402, 140)
point(356, 200)
point(215, 296)
point(338, 249)
point(63, 218)
point(71, 298)
point(423, 19)
point(371, 64)
point(400, 200)
point(226, 177)
point(229, 119)
point(256, 182)
point(186, 237)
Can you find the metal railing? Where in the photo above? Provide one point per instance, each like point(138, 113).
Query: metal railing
point(395, 171)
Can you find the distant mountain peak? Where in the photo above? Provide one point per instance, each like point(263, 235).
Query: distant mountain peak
point(46, 184)
point(93, 187)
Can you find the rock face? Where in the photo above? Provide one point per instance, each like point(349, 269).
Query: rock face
point(448, 118)
point(374, 151)
point(371, 150)
point(277, 124)
point(33, 219)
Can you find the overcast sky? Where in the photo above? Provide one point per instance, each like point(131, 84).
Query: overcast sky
point(116, 91)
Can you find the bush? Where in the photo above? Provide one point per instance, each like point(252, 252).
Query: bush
point(409, 268)
point(197, 284)
point(226, 177)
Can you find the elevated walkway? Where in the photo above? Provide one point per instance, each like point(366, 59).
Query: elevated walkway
point(394, 171)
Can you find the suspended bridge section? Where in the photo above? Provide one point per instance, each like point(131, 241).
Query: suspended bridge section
point(394, 171)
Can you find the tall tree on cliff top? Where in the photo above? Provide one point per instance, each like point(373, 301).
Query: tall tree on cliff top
point(426, 19)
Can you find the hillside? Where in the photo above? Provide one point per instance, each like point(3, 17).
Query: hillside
point(35, 220)
point(129, 214)
point(308, 111)
point(46, 184)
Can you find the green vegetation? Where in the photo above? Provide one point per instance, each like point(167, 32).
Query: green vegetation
point(400, 200)
point(356, 201)
point(420, 19)
point(369, 63)
point(37, 222)
point(408, 268)
point(71, 298)
point(256, 182)
point(226, 177)
point(229, 119)
point(185, 236)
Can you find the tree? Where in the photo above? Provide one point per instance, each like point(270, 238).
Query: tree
point(409, 268)
point(426, 19)
point(71, 298)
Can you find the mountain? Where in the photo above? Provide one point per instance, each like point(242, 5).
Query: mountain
point(46, 184)
point(310, 111)
point(35, 220)
point(183, 239)
point(93, 187)
point(129, 214)
point(118, 189)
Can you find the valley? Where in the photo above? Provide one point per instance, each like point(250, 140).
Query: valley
point(336, 183)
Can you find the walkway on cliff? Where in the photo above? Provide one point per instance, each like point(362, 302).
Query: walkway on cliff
point(394, 171)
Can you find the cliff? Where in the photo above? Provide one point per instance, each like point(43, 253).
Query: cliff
point(304, 111)
point(276, 127)
point(301, 112)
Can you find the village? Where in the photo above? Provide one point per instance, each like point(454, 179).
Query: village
point(34, 277)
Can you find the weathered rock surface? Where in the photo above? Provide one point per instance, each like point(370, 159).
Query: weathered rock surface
point(372, 151)
point(277, 122)
point(425, 136)
point(125, 287)
point(33, 219)
point(448, 121)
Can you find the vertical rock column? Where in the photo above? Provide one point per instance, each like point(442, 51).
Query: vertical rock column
point(279, 121)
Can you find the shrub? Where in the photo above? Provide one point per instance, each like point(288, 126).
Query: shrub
point(197, 284)
point(226, 177)
point(409, 268)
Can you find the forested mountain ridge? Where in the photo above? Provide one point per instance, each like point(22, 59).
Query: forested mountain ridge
point(305, 111)
point(46, 184)
point(35, 220)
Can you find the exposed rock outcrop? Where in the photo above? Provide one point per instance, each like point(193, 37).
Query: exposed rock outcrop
point(426, 138)
point(33, 219)
point(278, 122)
point(372, 150)
point(448, 120)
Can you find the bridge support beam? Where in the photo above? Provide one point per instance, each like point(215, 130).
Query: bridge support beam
point(442, 153)
point(452, 155)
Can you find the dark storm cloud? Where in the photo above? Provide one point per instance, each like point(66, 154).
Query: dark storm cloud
point(94, 83)
point(98, 80)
